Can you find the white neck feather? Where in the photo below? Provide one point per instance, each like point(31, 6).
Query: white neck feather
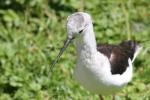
point(86, 43)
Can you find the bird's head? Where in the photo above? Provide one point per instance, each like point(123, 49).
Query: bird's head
point(76, 25)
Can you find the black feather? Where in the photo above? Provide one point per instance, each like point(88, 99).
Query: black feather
point(121, 53)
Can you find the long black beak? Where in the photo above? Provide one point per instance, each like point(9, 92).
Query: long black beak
point(66, 43)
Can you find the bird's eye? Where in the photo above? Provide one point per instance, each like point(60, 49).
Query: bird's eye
point(80, 31)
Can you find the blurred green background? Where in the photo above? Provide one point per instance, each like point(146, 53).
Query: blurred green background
point(33, 31)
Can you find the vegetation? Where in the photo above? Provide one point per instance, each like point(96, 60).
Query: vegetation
point(33, 31)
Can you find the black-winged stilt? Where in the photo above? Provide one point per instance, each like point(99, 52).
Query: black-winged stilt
point(101, 69)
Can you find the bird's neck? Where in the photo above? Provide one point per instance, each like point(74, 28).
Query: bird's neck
point(86, 43)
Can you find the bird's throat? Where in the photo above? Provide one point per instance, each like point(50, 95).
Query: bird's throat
point(86, 43)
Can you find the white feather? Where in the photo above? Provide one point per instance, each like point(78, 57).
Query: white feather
point(93, 69)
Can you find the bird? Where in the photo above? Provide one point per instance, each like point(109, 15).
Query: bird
point(103, 69)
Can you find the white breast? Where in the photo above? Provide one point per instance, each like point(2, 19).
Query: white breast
point(94, 74)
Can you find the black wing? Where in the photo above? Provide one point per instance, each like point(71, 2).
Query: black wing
point(118, 55)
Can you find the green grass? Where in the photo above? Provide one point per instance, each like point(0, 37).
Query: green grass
point(33, 31)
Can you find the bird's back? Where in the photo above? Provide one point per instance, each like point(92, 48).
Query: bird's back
point(118, 55)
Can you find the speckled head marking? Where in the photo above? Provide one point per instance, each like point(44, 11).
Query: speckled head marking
point(76, 23)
